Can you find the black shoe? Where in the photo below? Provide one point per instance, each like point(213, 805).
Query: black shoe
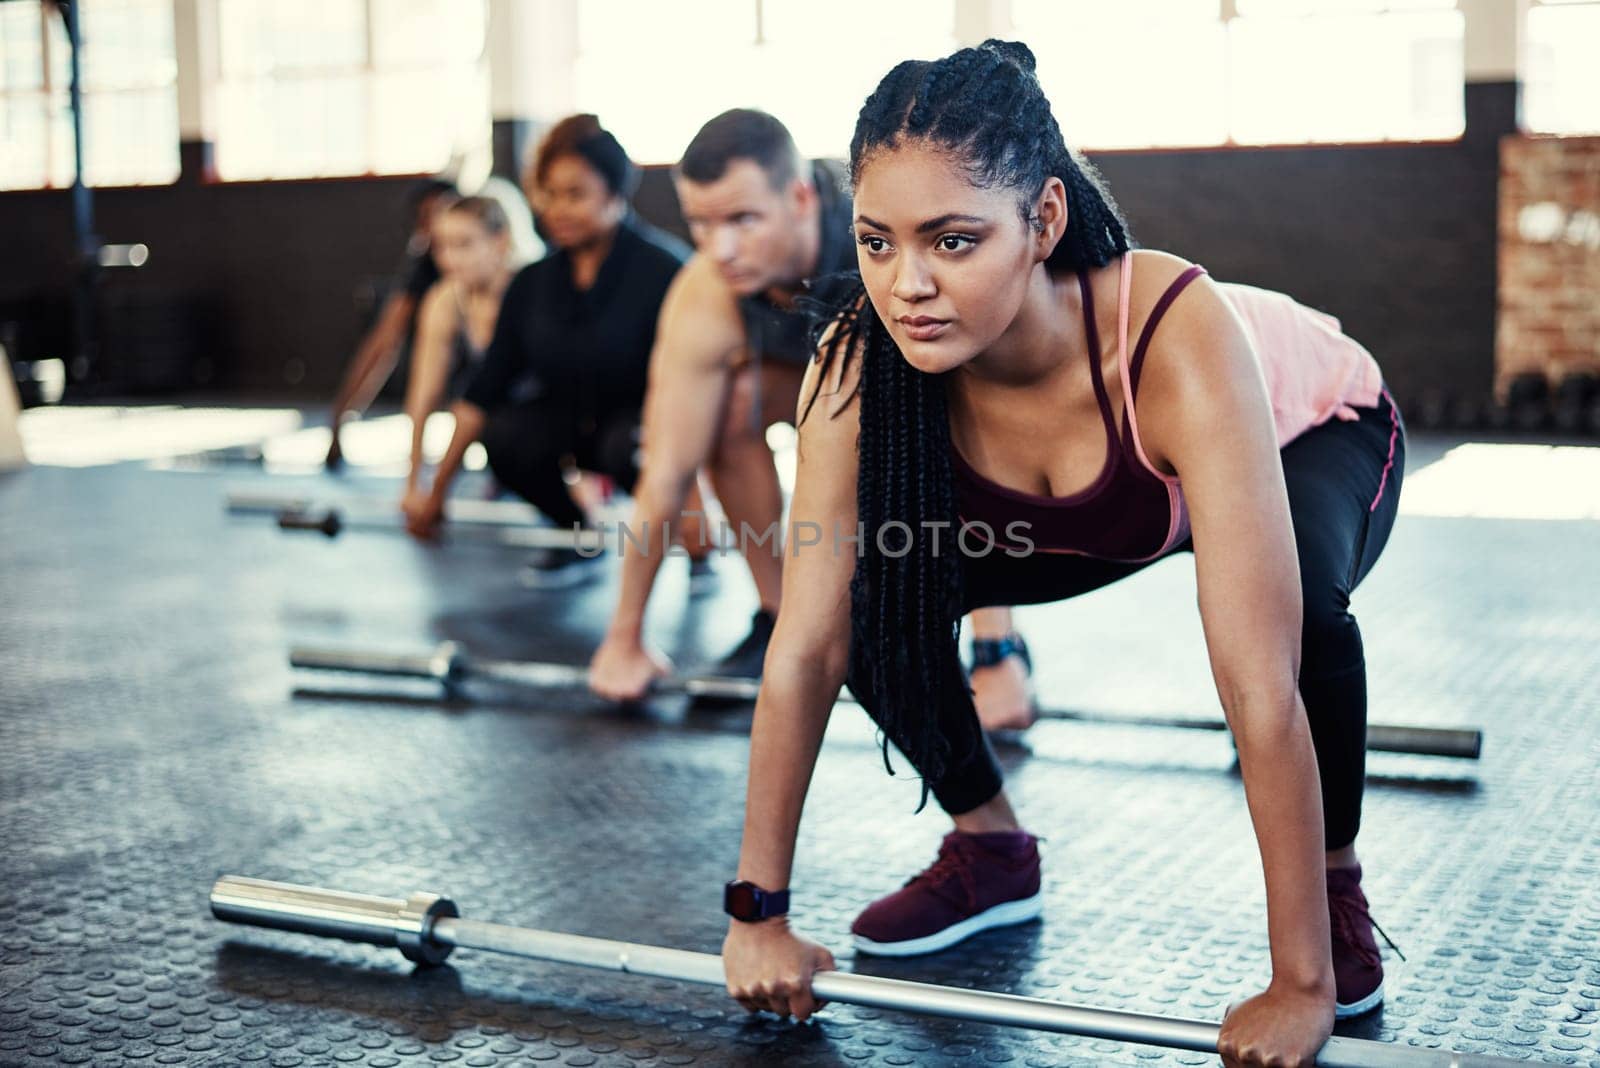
point(703, 576)
point(748, 656)
point(556, 569)
point(744, 662)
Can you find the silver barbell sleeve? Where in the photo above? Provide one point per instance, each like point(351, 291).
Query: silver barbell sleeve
point(404, 924)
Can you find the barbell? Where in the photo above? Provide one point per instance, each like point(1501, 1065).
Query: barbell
point(426, 928)
point(450, 666)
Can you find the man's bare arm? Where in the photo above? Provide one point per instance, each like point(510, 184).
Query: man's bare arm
point(698, 338)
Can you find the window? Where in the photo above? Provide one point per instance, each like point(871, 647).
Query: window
point(1132, 74)
point(1276, 72)
point(1345, 70)
point(315, 88)
point(1561, 92)
point(809, 62)
point(130, 94)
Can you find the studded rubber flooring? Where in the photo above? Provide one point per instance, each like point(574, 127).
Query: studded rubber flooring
point(152, 737)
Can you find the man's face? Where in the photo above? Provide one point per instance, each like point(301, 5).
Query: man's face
point(751, 231)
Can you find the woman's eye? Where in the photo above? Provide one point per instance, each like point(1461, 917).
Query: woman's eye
point(954, 242)
point(873, 243)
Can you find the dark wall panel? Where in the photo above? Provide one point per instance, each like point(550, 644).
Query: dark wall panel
point(1398, 241)
point(284, 263)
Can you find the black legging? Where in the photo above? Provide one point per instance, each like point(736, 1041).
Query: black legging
point(1333, 473)
point(528, 443)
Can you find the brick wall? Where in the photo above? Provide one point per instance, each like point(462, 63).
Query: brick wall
point(1549, 262)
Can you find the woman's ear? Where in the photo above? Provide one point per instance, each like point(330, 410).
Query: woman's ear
point(1050, 218)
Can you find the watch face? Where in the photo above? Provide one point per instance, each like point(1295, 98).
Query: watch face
point(741, 900)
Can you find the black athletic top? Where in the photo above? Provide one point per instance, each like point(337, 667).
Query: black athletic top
point(466, 358)
point(784, 334)
point(589, 350)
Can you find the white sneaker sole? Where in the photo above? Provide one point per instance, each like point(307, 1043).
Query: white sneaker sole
point(1342, 1011)
point(1002, 915)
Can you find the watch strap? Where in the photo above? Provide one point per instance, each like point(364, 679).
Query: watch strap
point(987, 652)
point(750, 903)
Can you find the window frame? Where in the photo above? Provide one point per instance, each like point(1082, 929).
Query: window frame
point(53, 82)
point(1524, 65)
point(369, 73)
point(1226, 13)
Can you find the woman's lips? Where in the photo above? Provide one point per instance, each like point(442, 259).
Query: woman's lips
point(922, 327)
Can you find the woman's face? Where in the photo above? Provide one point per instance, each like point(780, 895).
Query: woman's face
point(574, 204)
point(946, 263)
point(466, 251)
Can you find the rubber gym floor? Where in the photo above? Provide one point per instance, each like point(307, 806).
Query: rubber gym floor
point(153, 736)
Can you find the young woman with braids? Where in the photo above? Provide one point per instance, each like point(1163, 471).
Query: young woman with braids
point(1012, 361)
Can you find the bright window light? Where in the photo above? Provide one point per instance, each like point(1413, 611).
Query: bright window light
point(789, 57)
point(1380, 76)
point(319, 88)
point(1562, 91)
point(1279, 72)
point(1507, 481)
point(1176, 94)
point(130, 94)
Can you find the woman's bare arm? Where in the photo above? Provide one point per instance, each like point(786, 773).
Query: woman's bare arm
point(1204, 405)
point(437, 323)
point(768, 966)
point(807, 659)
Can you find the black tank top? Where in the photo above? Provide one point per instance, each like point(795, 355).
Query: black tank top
point(465, 357)
point(784, 334)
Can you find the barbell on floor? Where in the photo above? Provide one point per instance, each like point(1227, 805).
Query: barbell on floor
point(331, 523)
point(426, 927)
point(271, 504)
point(450, 666)
point(492, 522)
point(464, 510)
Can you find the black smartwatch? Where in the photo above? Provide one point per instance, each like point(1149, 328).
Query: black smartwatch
point(987, 652)
point(747, 902)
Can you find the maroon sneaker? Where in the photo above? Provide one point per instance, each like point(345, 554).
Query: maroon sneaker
point(1357, 964)
point(979, 881)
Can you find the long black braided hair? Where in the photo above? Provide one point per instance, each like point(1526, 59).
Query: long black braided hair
point(984, 105)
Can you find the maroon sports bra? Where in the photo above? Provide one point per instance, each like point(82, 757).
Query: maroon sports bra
point(1129, 513)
